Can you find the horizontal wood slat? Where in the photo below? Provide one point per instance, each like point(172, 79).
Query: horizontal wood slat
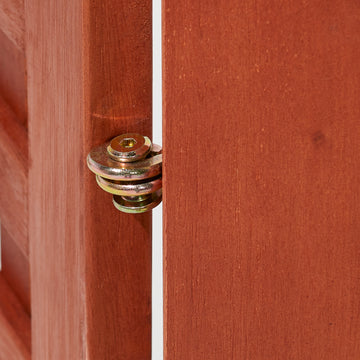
point(15, 341)
point(13, 177)
point(12, 21)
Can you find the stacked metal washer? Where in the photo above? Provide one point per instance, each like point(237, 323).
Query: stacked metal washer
point(130, 168)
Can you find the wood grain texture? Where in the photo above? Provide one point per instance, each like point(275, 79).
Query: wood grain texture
point(13, 78)
point(13, 177)
point(118, 271)
point(12, 21)
point(89, 76)
point(15, 269)
point(14, 326)
point(261, 179)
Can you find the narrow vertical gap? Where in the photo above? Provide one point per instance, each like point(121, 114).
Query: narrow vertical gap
point(157, 260)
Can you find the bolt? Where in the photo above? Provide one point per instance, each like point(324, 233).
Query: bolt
point(129, 147)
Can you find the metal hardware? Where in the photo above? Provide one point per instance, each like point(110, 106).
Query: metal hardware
point(129, 167)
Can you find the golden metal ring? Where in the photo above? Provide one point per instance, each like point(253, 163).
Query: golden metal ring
point(129, 167)
point(100, 163)
point(129, 188)
point(136, 206)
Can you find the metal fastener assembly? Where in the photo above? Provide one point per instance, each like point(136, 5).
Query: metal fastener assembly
point(129, 167)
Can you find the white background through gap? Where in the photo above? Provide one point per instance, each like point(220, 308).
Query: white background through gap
point(157, 262)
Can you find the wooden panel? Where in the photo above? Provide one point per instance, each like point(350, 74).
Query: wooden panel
point(14, 326)
point(13, 77)
point(12, 21)
point(15, 269)
point(262, 210)
point(119, 245)
point(13, 177)
point(90, 264)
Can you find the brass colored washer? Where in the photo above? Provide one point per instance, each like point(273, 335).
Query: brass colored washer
point(137, 206)
point(129, 188)
point(100, 163)
point(129, 167)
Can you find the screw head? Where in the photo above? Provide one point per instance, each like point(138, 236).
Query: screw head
point(129, 147)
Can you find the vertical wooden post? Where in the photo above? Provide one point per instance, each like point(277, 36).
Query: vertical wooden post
point(261, 179)
point(89, 78)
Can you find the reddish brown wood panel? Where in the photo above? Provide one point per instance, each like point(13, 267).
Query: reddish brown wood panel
point(261, 193)
point(15, 269)
point(56, 198)
point(13, 177)
point(12, 21)
point(14, 326)
point(89, 71)
point(13, 77)
point(118, 245)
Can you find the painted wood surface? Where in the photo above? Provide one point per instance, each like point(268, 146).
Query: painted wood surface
point(12, 21)
point(89, 79)
point(261, 179)
point(118, 253)
point(15, 269)
point(13, 177)
point(13, 77)
point(14, 277)
point(14, 326)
